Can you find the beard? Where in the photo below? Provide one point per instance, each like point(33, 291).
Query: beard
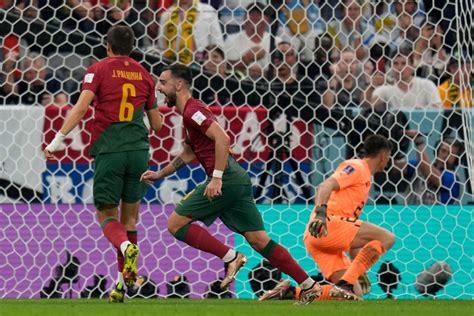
point(170, 100)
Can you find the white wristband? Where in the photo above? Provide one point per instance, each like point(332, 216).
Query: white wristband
point(57, 141)
point(217, 174)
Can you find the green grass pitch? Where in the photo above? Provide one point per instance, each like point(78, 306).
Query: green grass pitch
point(234, 307)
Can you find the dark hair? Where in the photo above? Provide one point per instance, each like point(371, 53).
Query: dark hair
point(374, 144)
point(452, 142)
point(213, 48)
point(121, 39)
point(256, 7)
point(406, 52)
point(182, 72)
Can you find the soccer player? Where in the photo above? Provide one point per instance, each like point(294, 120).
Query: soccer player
point(226, 194)
point(334, 227)
point(122, 90)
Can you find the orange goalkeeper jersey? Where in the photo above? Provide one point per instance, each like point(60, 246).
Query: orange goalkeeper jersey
point(354, 179)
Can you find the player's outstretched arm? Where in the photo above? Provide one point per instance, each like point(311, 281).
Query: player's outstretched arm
point(73, 118)
point(185, 157)
point(317, 227)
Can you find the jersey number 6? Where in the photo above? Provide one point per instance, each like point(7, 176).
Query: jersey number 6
point(127, 108)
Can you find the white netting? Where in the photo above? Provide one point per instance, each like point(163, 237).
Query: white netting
point(297, 84)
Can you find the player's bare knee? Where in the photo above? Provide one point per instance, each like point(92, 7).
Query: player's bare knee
point(257, 240)
point(388, 240)
point(253, 242)
point(173, 227)
point(104, 214)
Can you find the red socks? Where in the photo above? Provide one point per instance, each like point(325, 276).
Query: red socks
point(199, 238)
point(133, 238)
point(281, 259)
point(114, 231)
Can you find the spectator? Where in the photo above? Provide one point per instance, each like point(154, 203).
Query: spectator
point(456, 91)
point(73, 14)
point(445, 12)
point(320, 65)
point(404, 32)
point(414, 8)
point(36, 86)
point(433, 182)
point(27, 8)
point(290, 97)
point(353, 30)
point(301, 24)
point(13, 50)
point(214, 86)
point(408, 91)
point(252, 45)
point(430, 57)
point(107, 13)
point(384, 21)
point(294, 96)
point(373, 78)
point(347, 85)
point(232, 14)
point(187, 28)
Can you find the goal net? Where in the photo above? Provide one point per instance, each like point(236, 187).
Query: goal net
point(297, 85)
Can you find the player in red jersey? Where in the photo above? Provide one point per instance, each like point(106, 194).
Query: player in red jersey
point(226, 194)
point(122, 90)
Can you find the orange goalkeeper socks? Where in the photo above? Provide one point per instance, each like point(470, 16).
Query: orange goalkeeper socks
point(365, 259)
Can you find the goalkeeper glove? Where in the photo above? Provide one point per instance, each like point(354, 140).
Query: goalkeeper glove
point(318, 227)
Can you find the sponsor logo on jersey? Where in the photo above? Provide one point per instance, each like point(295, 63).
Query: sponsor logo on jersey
point(198, 117)
point(348, 169)
point(88, 78)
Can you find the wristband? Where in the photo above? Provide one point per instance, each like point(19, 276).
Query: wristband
point(217, 174)
point(57, 141)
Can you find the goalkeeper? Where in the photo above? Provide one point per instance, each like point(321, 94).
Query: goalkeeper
point(334, 227)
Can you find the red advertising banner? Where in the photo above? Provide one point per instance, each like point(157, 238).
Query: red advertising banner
point(246, 126)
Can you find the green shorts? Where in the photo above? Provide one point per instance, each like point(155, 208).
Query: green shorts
point(117, 177)
point(235, 207)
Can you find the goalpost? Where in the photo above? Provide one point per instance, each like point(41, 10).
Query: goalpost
point(465, 42)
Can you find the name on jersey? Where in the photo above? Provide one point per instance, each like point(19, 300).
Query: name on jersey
point(130, 75)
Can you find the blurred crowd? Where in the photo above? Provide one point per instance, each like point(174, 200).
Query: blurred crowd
point(291, 56)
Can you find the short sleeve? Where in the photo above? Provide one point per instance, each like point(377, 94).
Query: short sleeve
point(200, 119)
point(347, 175)
point(91, 79)
point(151, 102)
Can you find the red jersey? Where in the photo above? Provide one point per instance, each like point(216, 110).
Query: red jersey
point(196, 120)
point(123, 89)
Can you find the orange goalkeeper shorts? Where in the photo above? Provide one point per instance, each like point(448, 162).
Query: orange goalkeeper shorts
point(329, 251)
